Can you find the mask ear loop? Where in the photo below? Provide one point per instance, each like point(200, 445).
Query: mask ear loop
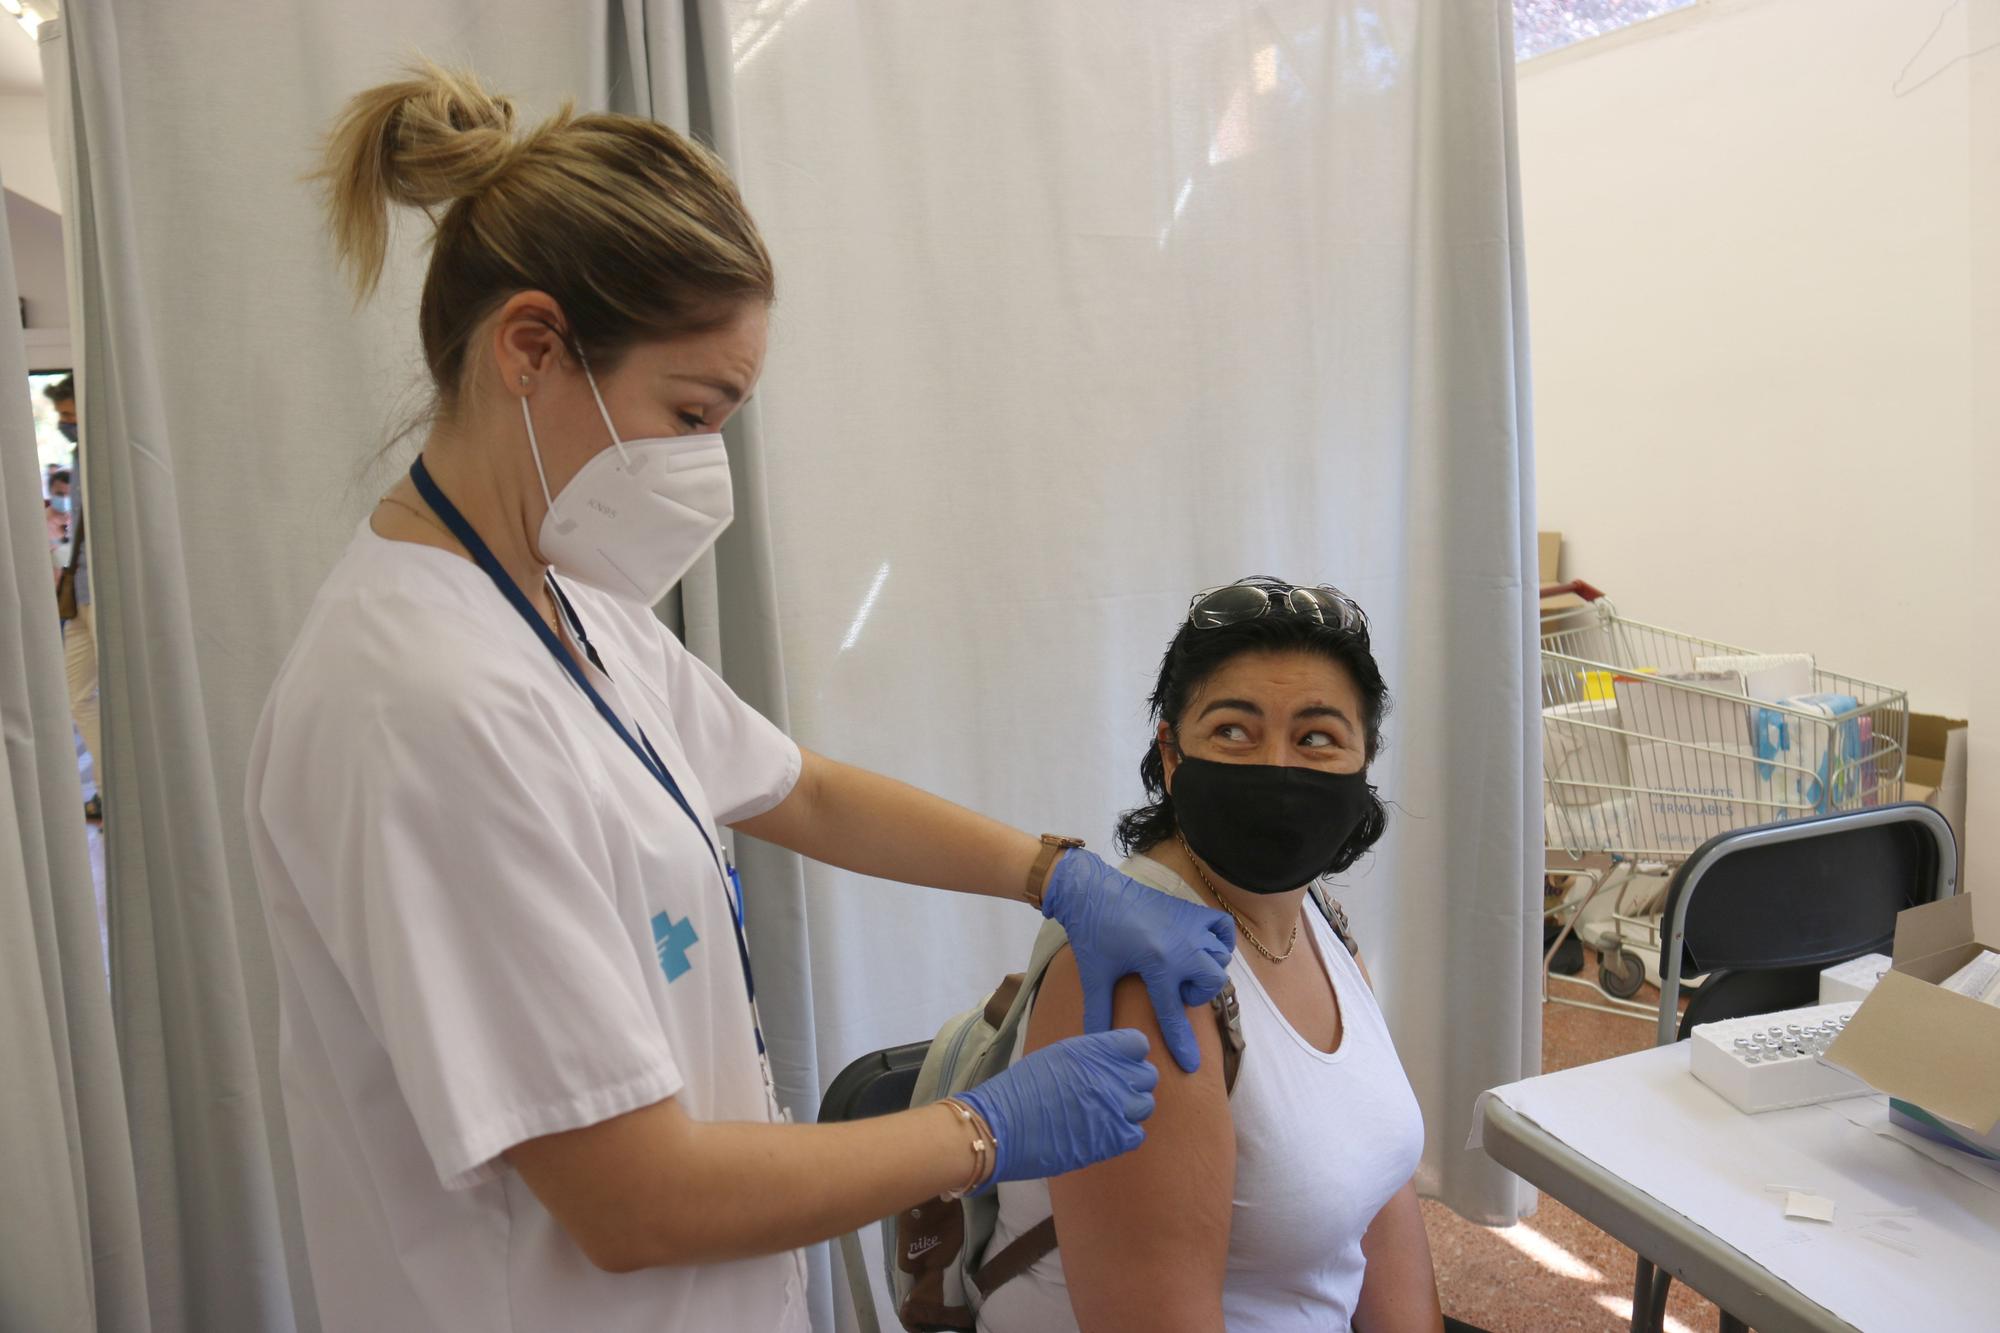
point(535, 450)
point(602, 410)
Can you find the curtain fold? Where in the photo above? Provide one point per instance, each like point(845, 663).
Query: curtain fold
point(69, 1236)
point(237, 408)
point(728, 604)
point(196, 1106)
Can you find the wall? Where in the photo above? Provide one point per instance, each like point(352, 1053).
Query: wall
point(38, 262)
point(1747, 272)
point(1982, 815)
point(26, 163)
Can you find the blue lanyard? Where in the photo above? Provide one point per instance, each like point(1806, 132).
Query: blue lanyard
point(641, 748)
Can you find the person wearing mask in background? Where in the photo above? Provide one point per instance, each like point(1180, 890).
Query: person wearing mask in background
point(523, 1073)
point(56, 515)
point(79, 617)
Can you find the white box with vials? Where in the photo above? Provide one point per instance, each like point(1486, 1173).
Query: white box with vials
point(1771, 1061)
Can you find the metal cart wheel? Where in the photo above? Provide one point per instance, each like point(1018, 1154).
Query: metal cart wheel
point(1621, 974)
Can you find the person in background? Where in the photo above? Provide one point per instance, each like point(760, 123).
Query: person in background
point(55, 513)
point(79, 617)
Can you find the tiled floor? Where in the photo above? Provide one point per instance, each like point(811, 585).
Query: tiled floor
point(1553, 1271)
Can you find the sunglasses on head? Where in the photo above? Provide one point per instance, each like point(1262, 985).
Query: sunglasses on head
point(1238, 602)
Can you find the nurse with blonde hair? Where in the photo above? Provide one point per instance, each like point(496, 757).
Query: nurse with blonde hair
point(523, 1073)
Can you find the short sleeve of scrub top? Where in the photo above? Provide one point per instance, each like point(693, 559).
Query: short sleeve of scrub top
point(747, 765)
point(504, 985)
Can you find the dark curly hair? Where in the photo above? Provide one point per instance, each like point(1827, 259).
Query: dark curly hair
point(1195, 655)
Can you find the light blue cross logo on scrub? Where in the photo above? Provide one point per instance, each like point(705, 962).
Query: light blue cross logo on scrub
point(672, 940)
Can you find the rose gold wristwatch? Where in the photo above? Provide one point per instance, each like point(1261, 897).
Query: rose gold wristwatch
point(1053, 846)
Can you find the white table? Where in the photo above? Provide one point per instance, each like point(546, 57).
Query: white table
point(1641, 1148)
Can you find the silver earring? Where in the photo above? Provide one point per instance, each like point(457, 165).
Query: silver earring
point(524, 381)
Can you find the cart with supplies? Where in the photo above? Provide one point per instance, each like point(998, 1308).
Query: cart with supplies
point(1653, 742)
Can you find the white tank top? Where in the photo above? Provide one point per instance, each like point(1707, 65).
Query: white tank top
point(1322, 1142)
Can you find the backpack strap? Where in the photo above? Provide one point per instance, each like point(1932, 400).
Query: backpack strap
point(1025, 1251)
point(1336, 916)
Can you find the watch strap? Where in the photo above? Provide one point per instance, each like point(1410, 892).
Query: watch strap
point(1053, 846)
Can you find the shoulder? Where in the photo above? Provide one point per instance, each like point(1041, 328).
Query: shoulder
point(415, 660)
point(1057, 1012)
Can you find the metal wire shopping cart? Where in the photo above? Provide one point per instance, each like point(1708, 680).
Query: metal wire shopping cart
point(1653, 743)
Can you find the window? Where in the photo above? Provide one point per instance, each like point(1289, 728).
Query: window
point(1542, 26)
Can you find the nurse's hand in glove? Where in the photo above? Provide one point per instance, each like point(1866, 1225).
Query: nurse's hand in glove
point(1068, 1105)
point(1118, 927)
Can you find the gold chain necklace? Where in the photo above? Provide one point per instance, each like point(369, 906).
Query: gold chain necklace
point(549, 616)
point(1242, 926)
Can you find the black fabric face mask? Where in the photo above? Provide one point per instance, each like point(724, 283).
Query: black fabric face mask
point(1267, 828)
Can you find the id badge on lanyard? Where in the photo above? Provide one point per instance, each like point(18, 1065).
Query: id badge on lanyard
point(641, 748)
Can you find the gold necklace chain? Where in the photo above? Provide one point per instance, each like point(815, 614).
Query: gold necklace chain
point(1242, 926)
point(553, 620)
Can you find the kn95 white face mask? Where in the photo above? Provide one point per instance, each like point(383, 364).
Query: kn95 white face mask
point(636, 517)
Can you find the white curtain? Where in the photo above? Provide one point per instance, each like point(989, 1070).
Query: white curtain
point(69, 1232)
point(1082, 308)
point(236, 412)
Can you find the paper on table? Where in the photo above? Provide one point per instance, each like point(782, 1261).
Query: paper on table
point(1809, 1207)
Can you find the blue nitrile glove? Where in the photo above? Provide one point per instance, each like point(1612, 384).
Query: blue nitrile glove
point(1117, 927)
point(1068, 1105)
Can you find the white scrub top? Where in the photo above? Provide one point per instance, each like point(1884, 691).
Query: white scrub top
point(492, 923)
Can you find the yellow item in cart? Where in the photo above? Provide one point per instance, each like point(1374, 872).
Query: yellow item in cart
point(1597, 684)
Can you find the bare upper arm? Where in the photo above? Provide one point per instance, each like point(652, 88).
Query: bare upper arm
point(1145, 1237)
point(1398, 1286)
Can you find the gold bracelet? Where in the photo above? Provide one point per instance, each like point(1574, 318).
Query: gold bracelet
point(982, 1147)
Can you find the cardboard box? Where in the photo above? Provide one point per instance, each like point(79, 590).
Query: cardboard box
point(1583, 756)
point(1767, 677)
point(1923, 765)
point(1692, 794)
point(1935, 1053)
point(1692, 758)
point(1696, 708)
point(1548, 568)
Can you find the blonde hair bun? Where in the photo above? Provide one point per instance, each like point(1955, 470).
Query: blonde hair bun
point(634, 230)
point(425, 142)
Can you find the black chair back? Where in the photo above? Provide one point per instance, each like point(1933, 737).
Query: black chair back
point(878, 1083)
point(1778, 902)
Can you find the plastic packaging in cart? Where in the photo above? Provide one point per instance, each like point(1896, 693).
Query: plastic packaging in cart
point(1767, 677)
point(1583, 753)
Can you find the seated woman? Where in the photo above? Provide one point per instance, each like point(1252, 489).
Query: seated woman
point(1284, 1204)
